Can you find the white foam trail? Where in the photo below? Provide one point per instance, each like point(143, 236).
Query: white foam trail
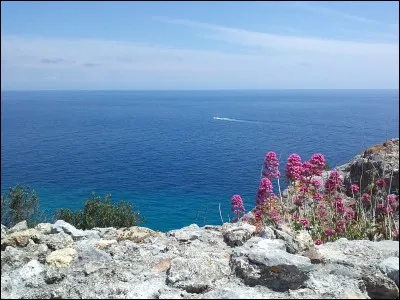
point(234, 120)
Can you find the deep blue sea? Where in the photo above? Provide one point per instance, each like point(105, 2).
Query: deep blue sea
point(165, 151)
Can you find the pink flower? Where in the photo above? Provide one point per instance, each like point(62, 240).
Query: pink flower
point(340, 223)
point(317, 197)
point(295, 216)
point(264, 191)
point(275, 216)
point(339, 206)
point(299, 201)
point(318, 163)
point(294, 167)
point(316, 183)
point(318, 242)
point(322, 212)
point(354, 188)
point(303, 189)
point(258, 214)
point(350, 214)
point(237, 205)
point(305, 222)
point(334, 181)
point(329, 232)
point(396, 234)
point(271, 165)
point(381, 182)
point(366, 199)
point(392, 201)
point(307, 169)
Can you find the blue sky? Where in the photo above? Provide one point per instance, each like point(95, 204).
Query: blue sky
point(199, 45)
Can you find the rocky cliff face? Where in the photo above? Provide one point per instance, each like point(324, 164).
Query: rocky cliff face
point(379, 161)
point(60, 261)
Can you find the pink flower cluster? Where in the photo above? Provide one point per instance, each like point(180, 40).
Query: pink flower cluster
point(307, 169)
point(316, 183)
point(392, 201)
point(317, 197)
point(381, 182)
point(339, 206)
point(294, 167)
point(237, 205)
point(354, 189)
point(274, 215)
point(305, 222)
point(334, 181)
point(271, 165)
point(366, 199)
point(265, 190)
point(329, 232)
point(318, 163)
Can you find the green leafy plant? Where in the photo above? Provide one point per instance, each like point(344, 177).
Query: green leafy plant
point(101, 213)
point(20, 203)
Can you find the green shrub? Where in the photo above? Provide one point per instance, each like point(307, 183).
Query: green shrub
point(101, 213)
point(18, 204)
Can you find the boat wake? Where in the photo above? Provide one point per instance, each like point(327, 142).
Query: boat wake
point(235, 120)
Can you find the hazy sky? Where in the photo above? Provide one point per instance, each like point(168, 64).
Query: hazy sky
point(199, 45)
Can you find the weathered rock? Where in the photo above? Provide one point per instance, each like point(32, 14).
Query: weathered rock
point(44, 228)
point(32, 268)
point(54, 275)
point(198, 271)
point(189, 233)
point(194, 263)
point(266, 264)
point(12, 258)
point(267, 233)
point(94, 266)
point(358, 253)
point(23, 225)
point(380, 287)
point(54, 241)
point(295, 242)
point(136, 234)
point(390, 267)
point(375, 162)
point(62, 226)
point(237, 234)
point(18, 239)
point(104, 244)
point(3, 231)
point(61, 258)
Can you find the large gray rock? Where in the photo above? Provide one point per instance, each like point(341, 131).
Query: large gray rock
point(237, 234)
point(62, 226)
point(390, 267)
point(23, 225)
point(198, 270)
point(265, 263)
point(54, 241)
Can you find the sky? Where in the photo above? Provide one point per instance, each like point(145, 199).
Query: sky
point(199, 45)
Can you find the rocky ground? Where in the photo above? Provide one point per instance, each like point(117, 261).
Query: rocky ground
point(60, 261)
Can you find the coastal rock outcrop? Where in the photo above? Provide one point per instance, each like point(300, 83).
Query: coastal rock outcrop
point(193, 263)
point(379, 161)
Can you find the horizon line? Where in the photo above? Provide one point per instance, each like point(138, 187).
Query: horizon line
point(200, 90)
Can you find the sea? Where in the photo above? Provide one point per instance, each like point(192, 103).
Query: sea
point(178, 156)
